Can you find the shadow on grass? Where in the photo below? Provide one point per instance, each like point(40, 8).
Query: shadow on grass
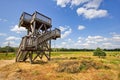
point(35, 62)
point(40, 62)
point(65, 58)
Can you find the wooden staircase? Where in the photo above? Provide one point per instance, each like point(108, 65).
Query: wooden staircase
point(24, 52)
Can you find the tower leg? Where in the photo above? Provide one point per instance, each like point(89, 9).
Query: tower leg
point(49, 50)
point(49, 55)
point(31, 56)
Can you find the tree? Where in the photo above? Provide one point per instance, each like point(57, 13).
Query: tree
point(7, 49)
point(99, 52)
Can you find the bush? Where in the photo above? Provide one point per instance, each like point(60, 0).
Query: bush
point(99, 52)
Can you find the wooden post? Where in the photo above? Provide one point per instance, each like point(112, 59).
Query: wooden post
point(50, 47)
point(34, 24)
point(31, 56)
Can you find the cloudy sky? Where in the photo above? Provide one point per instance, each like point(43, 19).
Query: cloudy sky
point(83, 23)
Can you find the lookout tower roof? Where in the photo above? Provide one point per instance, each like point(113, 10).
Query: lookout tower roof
point(27, 19)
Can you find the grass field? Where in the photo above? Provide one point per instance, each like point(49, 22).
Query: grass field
point(77, 65)
point(9, 56)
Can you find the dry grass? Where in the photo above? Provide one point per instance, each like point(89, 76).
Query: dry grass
point(65, 66)
point(77, 66)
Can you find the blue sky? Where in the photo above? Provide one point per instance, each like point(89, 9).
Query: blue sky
point(83, 23)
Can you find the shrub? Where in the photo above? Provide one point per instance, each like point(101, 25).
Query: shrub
point(99, 52)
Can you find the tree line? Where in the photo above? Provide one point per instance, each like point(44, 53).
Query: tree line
point(7, 49)
point(73, 49)
point(14, 49)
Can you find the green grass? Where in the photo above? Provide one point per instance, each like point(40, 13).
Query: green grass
point(113, 57)
point(8, 57)
point(72, 53)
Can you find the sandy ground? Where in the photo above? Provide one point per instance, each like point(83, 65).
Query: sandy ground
point(10, 70)
point(6, 62)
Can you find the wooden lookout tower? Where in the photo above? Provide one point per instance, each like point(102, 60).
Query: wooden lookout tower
point(38, 38)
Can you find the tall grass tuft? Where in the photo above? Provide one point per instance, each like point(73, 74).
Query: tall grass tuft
point(79, 66)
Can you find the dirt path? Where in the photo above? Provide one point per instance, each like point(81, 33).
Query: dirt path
point(6, 62)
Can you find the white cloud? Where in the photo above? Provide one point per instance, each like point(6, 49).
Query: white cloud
point(91, 13)
point(93, 4)
point(66, 33)
point(99, 41)
point(107, 45)
point(10, 38)
point(18, 29)
point(78, 2)
point(11, 43)
point(3, 34)
point(69, 40)
point(88, 8)
point(62, 3)
point(62, 28)
point(3, 20)
point(90, 42)
point(96, 38)
point(115, 37)
point(65, 30)
point(80, 39)
point(67, 43)
point(81, 27)
point(63, 43)
point(8, 42)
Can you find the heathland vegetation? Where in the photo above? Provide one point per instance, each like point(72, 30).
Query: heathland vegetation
point(65, 64)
